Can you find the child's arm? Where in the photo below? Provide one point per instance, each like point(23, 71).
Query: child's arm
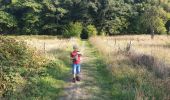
point(78, 52)
point(71, 56)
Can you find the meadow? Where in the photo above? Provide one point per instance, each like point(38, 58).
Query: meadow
point(139, 65)
point(132, 67)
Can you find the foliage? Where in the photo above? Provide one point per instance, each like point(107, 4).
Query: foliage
point(30, 23)
point(7, 22)
point(108, 16)
point(17, 62)
point(73, 29)
point(26, 74)
point(91, 30)
point(153, 19)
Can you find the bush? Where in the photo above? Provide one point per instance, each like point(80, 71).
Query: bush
point(26, 75)
point(102, 33)
point(91, 30)
point(73, 30)
point(18, 63)
point(161, 29)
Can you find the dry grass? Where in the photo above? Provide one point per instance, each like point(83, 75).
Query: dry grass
point(51, 46)
point(145, 60)
point(158, 47)
point(141, 47)
point(46, 42)
point(54, 43)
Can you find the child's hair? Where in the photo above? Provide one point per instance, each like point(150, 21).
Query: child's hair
point(75, 47)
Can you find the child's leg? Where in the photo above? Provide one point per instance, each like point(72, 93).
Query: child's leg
point(78, 69)
point(74, 75)
point(78, 72)
point(74, 70)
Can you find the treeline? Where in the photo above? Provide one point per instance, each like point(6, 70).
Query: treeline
point(58, 17)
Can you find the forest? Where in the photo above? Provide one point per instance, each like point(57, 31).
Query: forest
point(72, 17)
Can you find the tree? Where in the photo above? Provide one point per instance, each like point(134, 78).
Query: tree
point(52, 14)
point(113, 16)
point(7, 23)
point(31, 22)
point(153, 19)
point(108, 16)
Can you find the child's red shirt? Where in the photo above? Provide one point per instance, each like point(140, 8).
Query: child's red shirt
point(73, 54)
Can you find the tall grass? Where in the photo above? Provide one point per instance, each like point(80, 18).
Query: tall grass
point(138, 64)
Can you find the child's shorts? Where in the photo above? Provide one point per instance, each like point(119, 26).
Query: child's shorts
point(76, 68)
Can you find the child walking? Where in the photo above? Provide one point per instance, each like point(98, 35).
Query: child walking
point(75, 57)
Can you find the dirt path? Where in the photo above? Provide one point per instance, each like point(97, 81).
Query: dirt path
point(94, 84)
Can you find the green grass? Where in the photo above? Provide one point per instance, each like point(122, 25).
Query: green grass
point(51, 85)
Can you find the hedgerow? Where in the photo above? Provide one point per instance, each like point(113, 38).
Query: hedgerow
point(23, 70)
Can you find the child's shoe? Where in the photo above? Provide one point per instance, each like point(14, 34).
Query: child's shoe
point(77, 78)
point(74, 80)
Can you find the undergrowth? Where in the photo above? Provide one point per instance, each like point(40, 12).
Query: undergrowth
point(26, 74)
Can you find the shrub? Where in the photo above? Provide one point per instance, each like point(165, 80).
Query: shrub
point(17, 63)
point(91, 30)
point(161, 28)
point(73, 30)
point(102, 33)
point(26, 75)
